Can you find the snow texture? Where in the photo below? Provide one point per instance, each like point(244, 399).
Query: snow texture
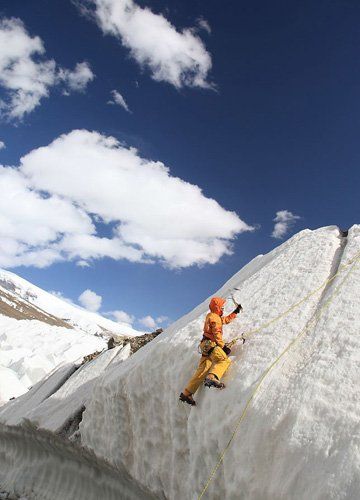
point(300, 437)
point(32, 349)
point(53, 403)
point(36, 464)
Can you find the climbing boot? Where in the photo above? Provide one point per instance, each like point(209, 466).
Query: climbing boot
point(187, 399)
point(210, 382)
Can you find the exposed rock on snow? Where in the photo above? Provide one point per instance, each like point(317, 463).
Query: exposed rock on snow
point(135, 342)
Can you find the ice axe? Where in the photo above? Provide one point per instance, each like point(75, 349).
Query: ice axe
point(240, 337)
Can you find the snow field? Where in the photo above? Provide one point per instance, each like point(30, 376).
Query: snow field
point(70, 392)
point(32, 349)
point(294, 441)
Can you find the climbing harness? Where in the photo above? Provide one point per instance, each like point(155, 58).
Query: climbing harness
point(206, 347)
point(312, 321)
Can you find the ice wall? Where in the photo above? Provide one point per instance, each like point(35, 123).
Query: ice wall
point(36, 464)
point(299, 439)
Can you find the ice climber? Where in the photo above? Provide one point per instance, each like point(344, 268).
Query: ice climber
point(214, 352)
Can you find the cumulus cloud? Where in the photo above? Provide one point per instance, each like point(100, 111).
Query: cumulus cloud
point(148, 322)
point(82, 263)
point(161, 319)
point(118, 99)
point(122, 317)
point(90, 300)
point(32, 224)
point(284, 221)
point(2, 145)
point(178, 57)
point(77, 79)
point(26, 75)
point(154, 216)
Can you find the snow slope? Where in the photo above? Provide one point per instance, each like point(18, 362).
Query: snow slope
point(73, 315)
point(39, 332)
point(29, 350)
point(299, 438)
point(61, 396)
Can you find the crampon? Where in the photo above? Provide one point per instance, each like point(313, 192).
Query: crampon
point(187, 399)
point(209, 382)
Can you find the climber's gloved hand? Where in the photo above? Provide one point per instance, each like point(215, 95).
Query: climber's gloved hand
point(238, 309)
point(226, 350)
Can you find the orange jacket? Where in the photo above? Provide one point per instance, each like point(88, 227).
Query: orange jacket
point(214, 321)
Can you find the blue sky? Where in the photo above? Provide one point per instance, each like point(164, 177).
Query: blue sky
point(271, 126)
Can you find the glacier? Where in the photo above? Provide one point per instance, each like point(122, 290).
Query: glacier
point(299, 438)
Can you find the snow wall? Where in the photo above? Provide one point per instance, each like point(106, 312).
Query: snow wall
point(56, 469)
point(300, 436)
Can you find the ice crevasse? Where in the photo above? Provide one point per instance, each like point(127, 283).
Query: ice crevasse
point(299, 438)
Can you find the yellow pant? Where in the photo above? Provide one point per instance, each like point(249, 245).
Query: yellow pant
point(216, 363)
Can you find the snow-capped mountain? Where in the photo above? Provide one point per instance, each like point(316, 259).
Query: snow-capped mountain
point(25, 295)
point(39, 332)
point(285, 427)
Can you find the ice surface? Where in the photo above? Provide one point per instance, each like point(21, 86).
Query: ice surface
point(9, 385)
point(29, 350)
point(38, 465)
point(54, 412)
point(300, 437)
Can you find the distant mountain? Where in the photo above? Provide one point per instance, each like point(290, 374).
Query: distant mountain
point(40, 332)
point(20, 299)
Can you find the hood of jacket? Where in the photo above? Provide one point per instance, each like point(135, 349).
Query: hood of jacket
point(216, 304)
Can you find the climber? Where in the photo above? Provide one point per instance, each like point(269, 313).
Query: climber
point(214, 352)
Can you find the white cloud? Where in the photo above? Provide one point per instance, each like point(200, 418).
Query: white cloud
point(118, 99)
point(77, 79)
point(177, 57)
point(156, 217)
point(26, 75)
point(148, 322)
point(90, 300)
point(2, 145)
point(31, 225)
point(204, 24)
point(82, 263)
point(122, 317)
point(59, 295)
point(284, 221)
point(161, 319)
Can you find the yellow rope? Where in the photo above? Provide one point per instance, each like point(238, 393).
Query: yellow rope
point(276, 361)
